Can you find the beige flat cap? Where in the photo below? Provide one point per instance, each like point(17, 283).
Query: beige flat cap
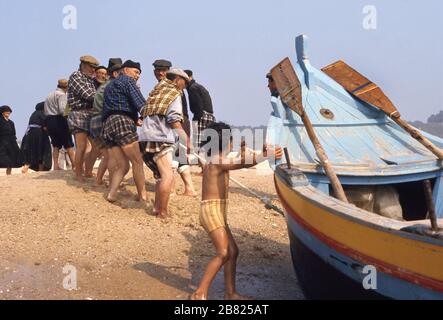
point(63, 83)
point(90, 60)
point(179, 72)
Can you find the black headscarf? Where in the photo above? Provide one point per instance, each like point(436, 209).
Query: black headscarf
point(5, 109)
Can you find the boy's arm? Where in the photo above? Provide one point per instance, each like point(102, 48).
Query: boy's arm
point(249, 158)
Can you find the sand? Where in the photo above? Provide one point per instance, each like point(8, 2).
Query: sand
point(120, 251)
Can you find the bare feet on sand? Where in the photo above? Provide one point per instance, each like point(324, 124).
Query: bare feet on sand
point(189, 193)
point(197, 296)
point(111, 198)
point(238, 297)
point(141, 199)
point(161, 215)
point(80, 179)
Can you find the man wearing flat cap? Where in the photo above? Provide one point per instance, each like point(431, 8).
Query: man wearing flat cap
point(123, 102)
point(163, 117)
point(96, 126)
point(161, 69)
point(101, 75)
point(81, 93)
point(57, 124)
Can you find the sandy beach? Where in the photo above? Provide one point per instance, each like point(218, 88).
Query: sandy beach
point(120, 251)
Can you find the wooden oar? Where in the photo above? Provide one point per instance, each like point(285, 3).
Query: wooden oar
point(367, 91)
point(289, 87)
point(431, 205)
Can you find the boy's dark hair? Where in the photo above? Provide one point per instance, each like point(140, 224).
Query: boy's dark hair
point(222, 129)
point(189, 73)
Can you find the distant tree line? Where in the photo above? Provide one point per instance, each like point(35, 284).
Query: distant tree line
point(433, 126)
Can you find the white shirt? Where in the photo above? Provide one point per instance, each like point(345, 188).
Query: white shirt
point(56, 102)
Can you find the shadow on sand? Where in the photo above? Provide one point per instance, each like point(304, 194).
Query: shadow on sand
point(126, 198)
point(264, 268)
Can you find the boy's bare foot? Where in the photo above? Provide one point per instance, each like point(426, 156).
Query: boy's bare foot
point(198, 296)
point(163, 216)
point(99, 182)
point(188, 193)
point(80, 179)
point(141, 199)
point(111, 199)
point(236, 296)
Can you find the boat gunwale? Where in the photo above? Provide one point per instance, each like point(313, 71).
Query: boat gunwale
point(357, 215)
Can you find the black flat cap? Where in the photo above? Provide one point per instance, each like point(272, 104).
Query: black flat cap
point(132, 64)
point(114, 61)
point(101, 67)
point(162, 64)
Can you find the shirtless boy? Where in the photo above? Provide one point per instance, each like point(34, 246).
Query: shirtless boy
point(214, 209)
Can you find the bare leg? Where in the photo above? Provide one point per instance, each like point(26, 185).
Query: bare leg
point(81, 144)
point(187, 180)
point(120, 164)
point(71, 155)
point(55, 156)
point(91, 158)
point(132, 152)
point(231, 270)
point(103, 167)
point(8, 171)
point(173, 186)
point(220, 239)
point(163, 189)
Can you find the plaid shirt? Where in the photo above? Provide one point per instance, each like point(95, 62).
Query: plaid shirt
point(122, 96)
point(81, 91)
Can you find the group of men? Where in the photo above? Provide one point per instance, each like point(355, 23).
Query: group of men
point(103, 107)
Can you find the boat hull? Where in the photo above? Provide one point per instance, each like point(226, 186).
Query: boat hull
point(331, 253)
point(320, 281)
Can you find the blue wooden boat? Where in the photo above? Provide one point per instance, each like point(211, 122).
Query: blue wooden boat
point(337, 245)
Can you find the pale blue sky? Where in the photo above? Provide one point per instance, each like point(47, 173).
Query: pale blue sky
point(230, 45)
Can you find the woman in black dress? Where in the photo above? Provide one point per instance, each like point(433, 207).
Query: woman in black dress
point(10, 156)
point(36, 147)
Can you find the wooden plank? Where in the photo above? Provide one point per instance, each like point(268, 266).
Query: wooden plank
point(364, 89)
point(359, 86)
